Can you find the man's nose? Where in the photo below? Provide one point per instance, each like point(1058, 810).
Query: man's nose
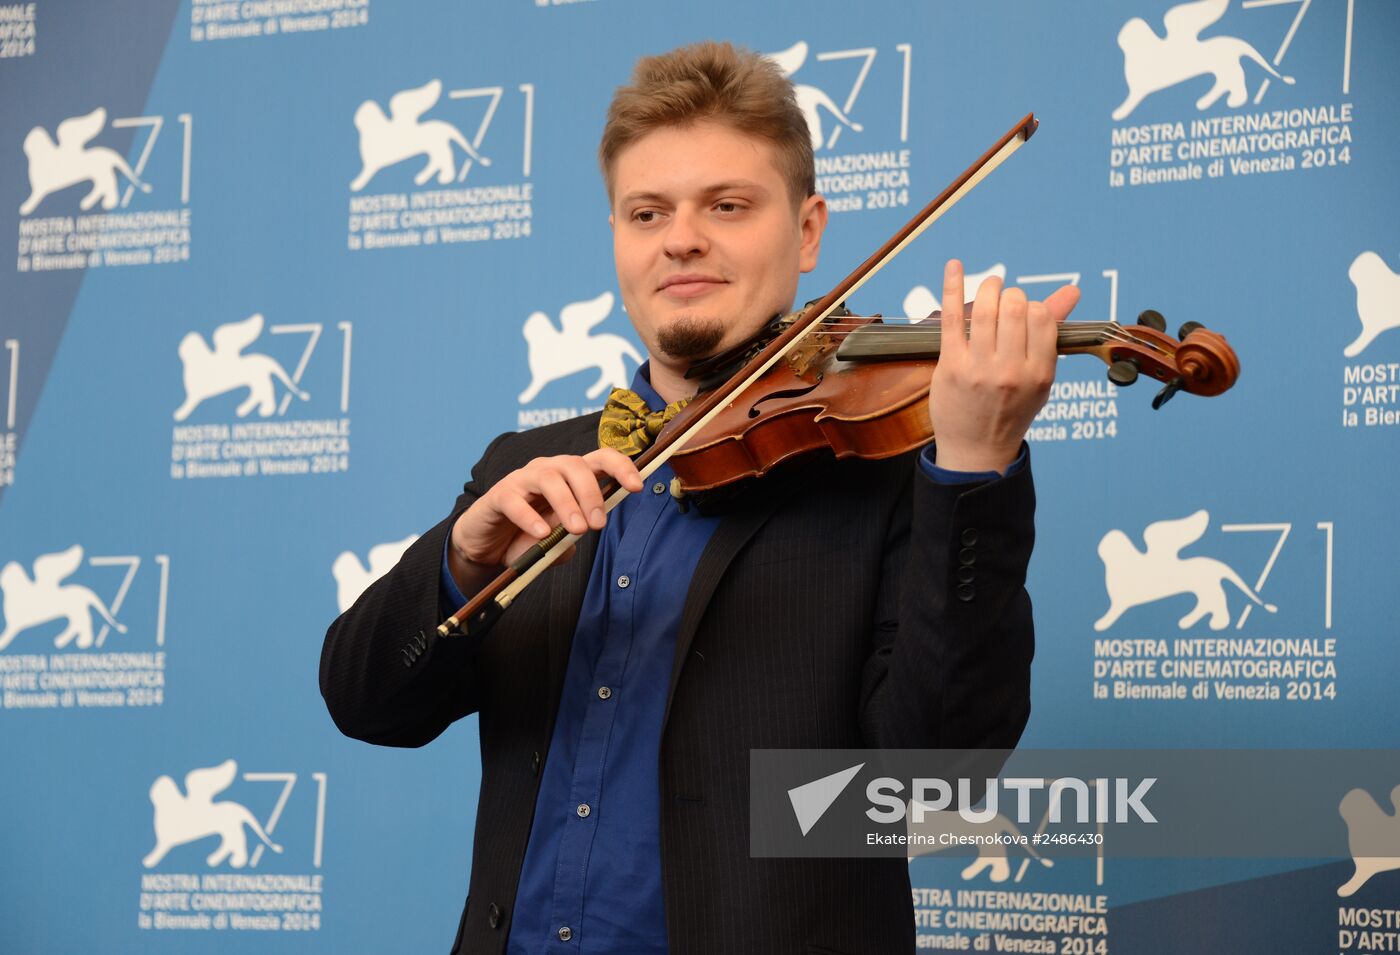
point(685, 235)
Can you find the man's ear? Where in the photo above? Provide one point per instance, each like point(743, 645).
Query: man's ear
point(811, 221)
point(612, 223)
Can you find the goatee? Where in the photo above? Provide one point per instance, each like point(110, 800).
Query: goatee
point(690, 338)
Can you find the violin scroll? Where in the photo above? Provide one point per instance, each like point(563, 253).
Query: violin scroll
point(1207, 362)
point(1201, 363)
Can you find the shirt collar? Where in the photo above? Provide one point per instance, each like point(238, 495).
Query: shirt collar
point(641, 384)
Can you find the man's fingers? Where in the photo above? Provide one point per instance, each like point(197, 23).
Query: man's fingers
point(1041, 335)
point(952, 292)
point(616, 465)
point(982, 342)
point(1042, 327)
point(551, 484)
point(583, 481)
point(1011, 325)
point(1062, 301)
point(519, 512)
point(953, 329)
point(560, 490)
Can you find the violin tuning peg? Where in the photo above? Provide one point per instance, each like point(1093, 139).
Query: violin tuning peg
point(1167, 393)
point(1123, 372)
point(1152, 319)
point(1186, 329)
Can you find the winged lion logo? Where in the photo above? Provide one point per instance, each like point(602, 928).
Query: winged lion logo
point(193, 815)
point(56, 165)
point(1152, 63)
point(30, 603)
point(1134, 577)
point(403, 134)
point(215, 371)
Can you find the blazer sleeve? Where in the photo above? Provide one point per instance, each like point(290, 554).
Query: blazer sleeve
point(953, 642)
point(386, 676)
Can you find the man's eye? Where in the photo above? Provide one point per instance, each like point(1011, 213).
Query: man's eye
point(646, 215)
point(728, 206)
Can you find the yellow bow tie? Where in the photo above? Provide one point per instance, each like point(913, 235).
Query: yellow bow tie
point(628, 425)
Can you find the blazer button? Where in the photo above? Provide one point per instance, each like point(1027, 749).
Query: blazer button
point(493, 915)
point(965, 592)
point(965, 575)
point(967, 556)
point(535, 764)
point(969, 536)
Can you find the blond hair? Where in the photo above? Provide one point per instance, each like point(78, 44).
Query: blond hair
point(717, 82)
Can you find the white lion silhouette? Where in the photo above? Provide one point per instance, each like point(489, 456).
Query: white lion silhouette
point(387, 140)
point(920, 303)
point(810, 99)
point(210, 372)
point(353, 578)
point(181, 819)
point(1373, 837)
point(29, 603)
point(559, 354)
point(1133, 578)
point(1377, 299)
point(1152, 63)
point(58, 165)
point(990, 853)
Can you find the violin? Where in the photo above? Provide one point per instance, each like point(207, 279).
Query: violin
point(826, 379)
point(858, 386)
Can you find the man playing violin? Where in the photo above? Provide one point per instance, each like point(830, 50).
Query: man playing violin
point(836, 604)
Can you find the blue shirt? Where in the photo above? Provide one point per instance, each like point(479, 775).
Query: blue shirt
point(591, 877)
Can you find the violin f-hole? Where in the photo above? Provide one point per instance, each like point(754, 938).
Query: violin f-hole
point(788, 393)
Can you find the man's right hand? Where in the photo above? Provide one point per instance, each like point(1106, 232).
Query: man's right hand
point(522, 508)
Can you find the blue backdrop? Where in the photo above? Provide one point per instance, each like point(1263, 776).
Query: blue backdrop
point(283, 267)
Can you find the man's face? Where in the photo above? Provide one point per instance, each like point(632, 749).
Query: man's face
point(706, 237)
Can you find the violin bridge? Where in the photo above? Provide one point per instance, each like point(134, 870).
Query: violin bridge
point(807, 354)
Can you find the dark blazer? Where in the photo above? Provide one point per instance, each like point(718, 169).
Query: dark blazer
point(848, 604)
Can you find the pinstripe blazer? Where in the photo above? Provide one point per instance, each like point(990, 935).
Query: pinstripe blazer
point(853, 603)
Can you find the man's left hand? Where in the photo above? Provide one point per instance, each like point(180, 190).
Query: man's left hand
point(994, 371)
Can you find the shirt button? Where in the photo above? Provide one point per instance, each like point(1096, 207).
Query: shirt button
point(583, 810)
point(604, 692)
point(658, 488)
point(969, 536)
point(624, 581)
point(565, 933)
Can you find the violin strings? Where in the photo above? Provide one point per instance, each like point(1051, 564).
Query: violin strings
point(1107, 332)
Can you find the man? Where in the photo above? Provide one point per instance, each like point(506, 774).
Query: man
point(844, 604)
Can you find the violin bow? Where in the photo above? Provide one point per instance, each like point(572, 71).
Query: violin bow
point(479, 613)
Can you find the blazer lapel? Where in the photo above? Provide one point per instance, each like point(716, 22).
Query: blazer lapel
point(728, 539)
